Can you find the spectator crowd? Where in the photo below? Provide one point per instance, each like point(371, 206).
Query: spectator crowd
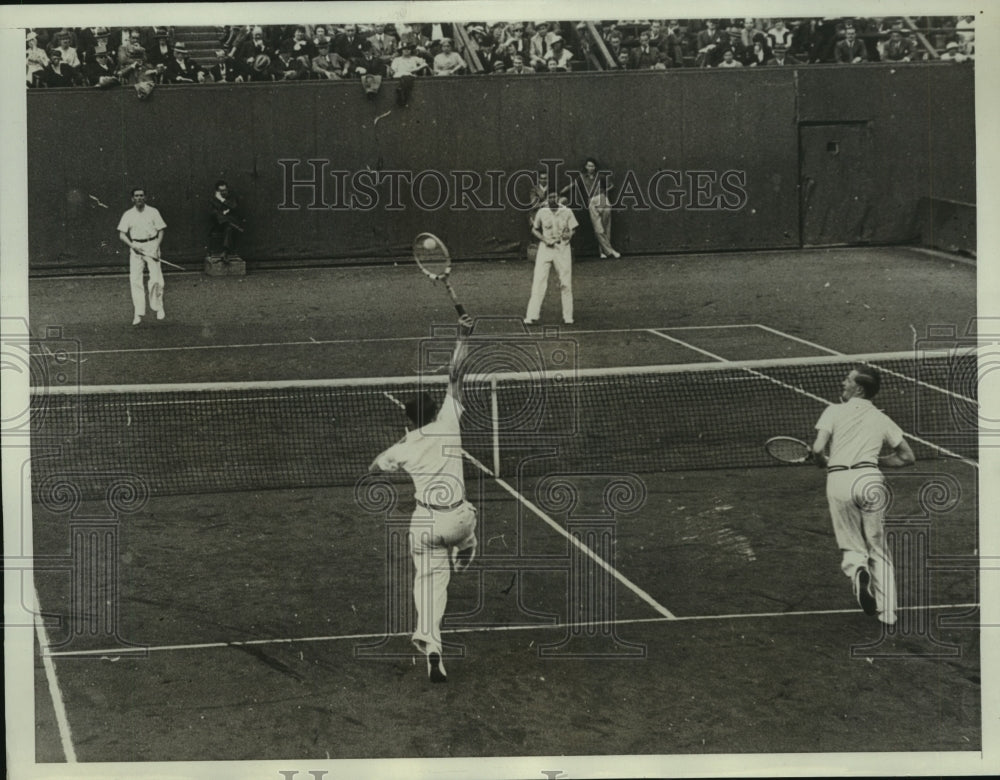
point(106, 57)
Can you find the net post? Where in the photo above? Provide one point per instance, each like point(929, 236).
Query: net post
point(495, 412)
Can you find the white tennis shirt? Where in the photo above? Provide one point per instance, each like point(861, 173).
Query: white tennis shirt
point(858, 432)
point(141, 225)
point(551, 224)
point(432, 456)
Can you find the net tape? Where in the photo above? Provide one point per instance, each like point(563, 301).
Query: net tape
point(263, 435)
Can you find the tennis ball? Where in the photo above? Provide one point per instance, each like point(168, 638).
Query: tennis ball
point(429, 243)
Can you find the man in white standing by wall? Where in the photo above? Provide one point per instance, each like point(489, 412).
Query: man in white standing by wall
point(141, 230)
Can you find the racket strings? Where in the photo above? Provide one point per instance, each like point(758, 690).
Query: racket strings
point(790, 450)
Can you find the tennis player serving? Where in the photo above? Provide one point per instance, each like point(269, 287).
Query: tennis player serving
point(856, 432)
point(443, 526)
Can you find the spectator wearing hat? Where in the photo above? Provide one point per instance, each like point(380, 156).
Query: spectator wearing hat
point(59, 74)
point(644, 56)
point(35, 57)
point(710, 43)
point(559, 54)
point(448, 62)
point(514, 34)
point(782, 57)
point(484, 47)
point(953, 53)
point(162, 51)
point(851, 50)
point(384, 45)
point(287, 67)
point(539, 45)
point(227, 70)
point(734, 45)
point(897, 48)
point(328, 64)
point(519, 44)
point(101, 71)
point(70, 58)
point(406, 67)
point(182, 69)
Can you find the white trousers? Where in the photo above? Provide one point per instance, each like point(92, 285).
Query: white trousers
point(137, 263)
point(434, 536)
point(858, 499)
point(561, 257)
point(600, 218)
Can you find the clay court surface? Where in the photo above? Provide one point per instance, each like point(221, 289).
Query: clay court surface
point(269, 624)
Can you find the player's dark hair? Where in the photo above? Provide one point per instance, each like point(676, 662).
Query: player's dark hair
point(421, 410)
point(591, 160)
point(137, 189)
point(220, 183)
point(868, 379)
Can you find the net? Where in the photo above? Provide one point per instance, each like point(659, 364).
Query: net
point(249, 436)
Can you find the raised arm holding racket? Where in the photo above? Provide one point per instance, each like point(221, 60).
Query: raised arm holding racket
point(141, 230)
point(443, 526)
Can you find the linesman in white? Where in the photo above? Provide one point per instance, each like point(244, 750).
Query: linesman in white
point(141, 230)
point(443, 526)
point(553, 226)
point(855, 488)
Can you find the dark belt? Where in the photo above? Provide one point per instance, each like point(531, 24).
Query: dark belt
point(863, 465)
point(144, 240)
point(440, 507)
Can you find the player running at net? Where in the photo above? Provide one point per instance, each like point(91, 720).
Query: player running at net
point(443, 525)
point(856, 432)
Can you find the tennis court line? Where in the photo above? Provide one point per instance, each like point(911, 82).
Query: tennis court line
point(824, 401)
point(62, 722)
point(574, 541)
point(382, 340)
point(118, 652)
point(563, 532)
point(889, 371)
point(721, 359)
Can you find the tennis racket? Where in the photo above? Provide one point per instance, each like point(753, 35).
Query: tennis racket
point(160, 260)
point(433, 259)
point(788, 449)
